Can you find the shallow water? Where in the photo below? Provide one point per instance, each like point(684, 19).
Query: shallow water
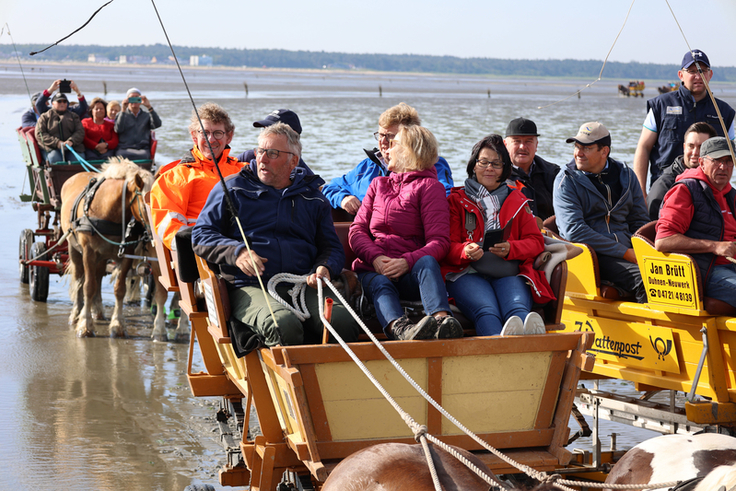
point(98, 413)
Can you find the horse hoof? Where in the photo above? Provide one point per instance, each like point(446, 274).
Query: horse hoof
point(160, 338)
point(181, 338)
point(116, 335)
point(85, 334)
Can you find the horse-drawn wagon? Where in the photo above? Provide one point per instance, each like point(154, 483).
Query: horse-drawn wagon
point(39, 259)
point(315, 407)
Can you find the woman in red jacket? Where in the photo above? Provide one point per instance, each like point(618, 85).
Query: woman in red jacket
point(494, 240)
point(100, 139)
point(400, 234)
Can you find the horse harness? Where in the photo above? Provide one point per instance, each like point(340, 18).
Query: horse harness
point(133, 233)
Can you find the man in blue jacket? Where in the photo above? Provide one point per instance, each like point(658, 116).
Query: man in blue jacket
point(347, 192)
point(289, 225)
point(598, 201)
point(670, 115)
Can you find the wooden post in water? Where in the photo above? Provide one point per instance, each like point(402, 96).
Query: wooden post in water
point(104, 88)
point(489, 93)
point(245, 85)
point(380, 91)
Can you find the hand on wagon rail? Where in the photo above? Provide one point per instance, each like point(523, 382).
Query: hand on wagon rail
point(245, 263)
point(321, 272)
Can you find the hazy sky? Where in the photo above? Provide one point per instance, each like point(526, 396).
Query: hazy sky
point(531, 29)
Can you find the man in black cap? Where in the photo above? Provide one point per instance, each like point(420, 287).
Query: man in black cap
point(670, 115)
point(698, 217)
point(598, 202)
point(535, 174)
point(286, 116)
point(59, 127)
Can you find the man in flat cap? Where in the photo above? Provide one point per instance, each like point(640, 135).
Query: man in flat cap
point(697, 218)
point(536, 175)
point(598, 201)
point(670, 115)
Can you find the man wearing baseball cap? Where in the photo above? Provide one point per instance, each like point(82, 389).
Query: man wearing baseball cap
point(598, 201)
point(697, 218)
point(286, 116)
point(670, 115)
point(59, 127)
point(536, 175)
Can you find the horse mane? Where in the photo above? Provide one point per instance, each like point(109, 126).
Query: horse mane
point(122, 168)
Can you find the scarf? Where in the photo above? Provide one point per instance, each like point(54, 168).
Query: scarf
point(489, 202)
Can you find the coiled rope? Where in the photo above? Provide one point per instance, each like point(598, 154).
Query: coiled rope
point(420, 431)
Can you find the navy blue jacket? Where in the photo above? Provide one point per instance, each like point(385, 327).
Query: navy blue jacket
point(583, 214)
point(29, 118)
point(538, 185)
point(674, 112)
point(291, 227)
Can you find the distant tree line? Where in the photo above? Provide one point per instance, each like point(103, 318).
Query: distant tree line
point(276, 58)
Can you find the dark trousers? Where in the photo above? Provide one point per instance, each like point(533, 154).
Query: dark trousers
point(625, 276)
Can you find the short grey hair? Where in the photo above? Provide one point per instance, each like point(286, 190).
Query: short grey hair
point(292, 137)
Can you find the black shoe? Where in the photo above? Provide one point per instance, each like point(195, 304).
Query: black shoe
point(449, 327)
point(424, 329)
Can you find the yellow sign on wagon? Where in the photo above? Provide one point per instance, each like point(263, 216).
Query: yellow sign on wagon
point(629, 343)
point(670, 281)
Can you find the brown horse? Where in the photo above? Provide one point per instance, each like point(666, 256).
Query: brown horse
point(709, 456)
point(118, 195)
point(398, 466)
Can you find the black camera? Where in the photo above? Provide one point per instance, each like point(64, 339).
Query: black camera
point(65, 86)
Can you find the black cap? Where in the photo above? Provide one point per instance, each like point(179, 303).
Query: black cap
point(286, 116)
point(521, 127)
point(58, 96)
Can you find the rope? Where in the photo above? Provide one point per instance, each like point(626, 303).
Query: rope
point(298, 293)
point(539, 476)
point(60, 241)
point(86, 165)
point(600, 75)
point(74, 32)
point(17, 56)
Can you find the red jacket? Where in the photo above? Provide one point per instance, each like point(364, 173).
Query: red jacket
point(526, 241)
point(93, 133)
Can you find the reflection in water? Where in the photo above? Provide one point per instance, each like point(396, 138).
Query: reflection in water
point(98, 413)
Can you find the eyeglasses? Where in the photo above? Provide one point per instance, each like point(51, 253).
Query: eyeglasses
point(383, 136)
point(271, 153)
point(723, 161)
point(483, 163)
point(218, 134)
point(694, 71)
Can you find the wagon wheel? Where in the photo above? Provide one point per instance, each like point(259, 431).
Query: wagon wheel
point(39, 275)
point(24, 252)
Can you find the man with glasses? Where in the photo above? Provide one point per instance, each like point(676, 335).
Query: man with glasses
point(598, 201)
point(536, 175)
point(286, 116)
point(670, 115)
point(347, 192)
point(288, 224)
point(178, 195)
point(59, 127)
point(134, 126)
point(698, 218)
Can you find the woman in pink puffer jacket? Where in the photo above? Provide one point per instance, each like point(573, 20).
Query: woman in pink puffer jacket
point(400, 234)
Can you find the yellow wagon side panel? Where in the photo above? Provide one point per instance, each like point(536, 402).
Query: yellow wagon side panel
point(503, 395)
point(356, 410)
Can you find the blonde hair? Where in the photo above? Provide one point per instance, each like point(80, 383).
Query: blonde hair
point(400, 114)
point(420, 147)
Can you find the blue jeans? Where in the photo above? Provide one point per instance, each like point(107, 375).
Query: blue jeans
point(722, 283)
point(489, 302)
point(56, 156)
point(424, 283)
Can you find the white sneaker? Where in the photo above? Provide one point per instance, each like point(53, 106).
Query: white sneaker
point(533, 324)
point(513, 327)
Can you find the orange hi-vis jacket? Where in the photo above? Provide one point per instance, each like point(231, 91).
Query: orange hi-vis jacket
point(181, 190)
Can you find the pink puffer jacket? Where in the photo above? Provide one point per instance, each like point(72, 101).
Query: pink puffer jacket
point(403, 215)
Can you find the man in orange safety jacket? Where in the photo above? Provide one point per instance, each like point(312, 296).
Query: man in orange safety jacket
point(181, 190)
